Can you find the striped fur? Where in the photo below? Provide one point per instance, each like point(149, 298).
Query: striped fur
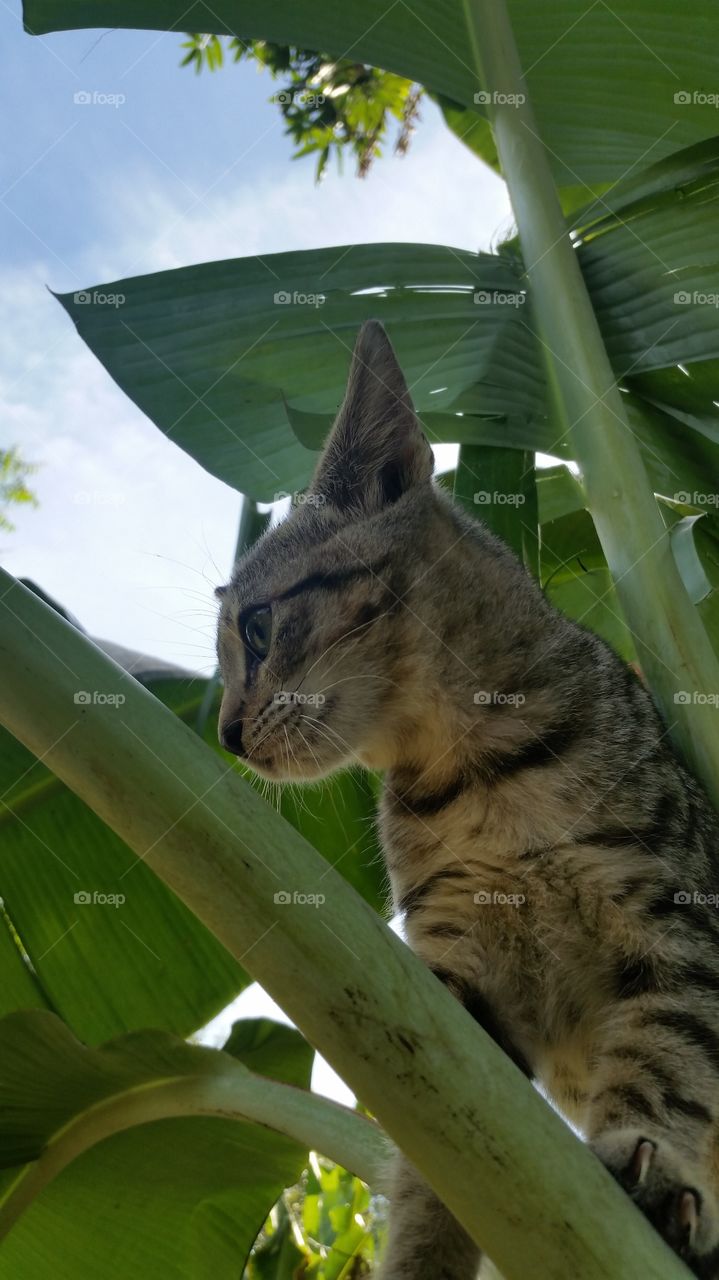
point(554, 861)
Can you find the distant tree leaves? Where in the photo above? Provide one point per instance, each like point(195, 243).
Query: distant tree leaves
point(328, 1227)
point(14, 473)
point(329, 106)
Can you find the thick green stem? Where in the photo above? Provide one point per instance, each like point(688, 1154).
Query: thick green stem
point(673, 647)
point(506, 1165)
point(236, 1094)
point(498, 486)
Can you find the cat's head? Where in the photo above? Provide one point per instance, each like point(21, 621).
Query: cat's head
point(312, 626)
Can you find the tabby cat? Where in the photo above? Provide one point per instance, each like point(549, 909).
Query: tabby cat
point(554, 862)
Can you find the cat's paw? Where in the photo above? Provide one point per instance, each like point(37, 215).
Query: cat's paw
point(672, 1193)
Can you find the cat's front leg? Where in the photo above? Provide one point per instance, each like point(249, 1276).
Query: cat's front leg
point(652, 1122)
point(425, 1241)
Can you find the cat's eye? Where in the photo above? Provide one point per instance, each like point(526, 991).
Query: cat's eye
point(256, 630)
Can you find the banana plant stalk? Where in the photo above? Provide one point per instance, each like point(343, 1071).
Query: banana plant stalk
point(674, 649)
point(517, 1178)
point(498, 486)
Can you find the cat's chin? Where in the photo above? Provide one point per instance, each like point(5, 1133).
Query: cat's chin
point(298, 771)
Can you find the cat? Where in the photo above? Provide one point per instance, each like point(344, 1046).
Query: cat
point(553, 860)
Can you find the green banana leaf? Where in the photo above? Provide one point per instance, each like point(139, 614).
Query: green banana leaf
point(695, 543)
point(86, 929)
point(177, 1189)
point(230, 373)
point(250, 376)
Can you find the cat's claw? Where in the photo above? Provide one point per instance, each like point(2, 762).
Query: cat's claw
point(641, 1161)
point(665, 1187)
point(688, 1218)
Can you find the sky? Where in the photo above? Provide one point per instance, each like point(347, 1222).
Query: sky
point(130, 534)
point(162, 169)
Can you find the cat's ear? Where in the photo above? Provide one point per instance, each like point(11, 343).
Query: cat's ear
point(377, 449)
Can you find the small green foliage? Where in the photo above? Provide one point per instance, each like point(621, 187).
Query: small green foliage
point(328, 105)
point(327, 1227)
point(14, 472)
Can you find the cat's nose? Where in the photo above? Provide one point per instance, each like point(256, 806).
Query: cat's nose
point(231, 737)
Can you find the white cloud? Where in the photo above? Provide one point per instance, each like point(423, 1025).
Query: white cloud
point(131, 534)
point(439, 193)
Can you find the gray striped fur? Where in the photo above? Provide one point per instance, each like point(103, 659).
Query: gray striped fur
point(554, 860)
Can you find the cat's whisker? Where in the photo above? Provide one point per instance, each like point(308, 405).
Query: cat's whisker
point(308, 747)
point(331, 791)
point(366, 675)
point(297, 792)
point(158, 555)
point(361, 626)
point(321, 726)
point(362, 630)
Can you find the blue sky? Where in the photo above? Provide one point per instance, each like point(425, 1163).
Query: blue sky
point(131, 535)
